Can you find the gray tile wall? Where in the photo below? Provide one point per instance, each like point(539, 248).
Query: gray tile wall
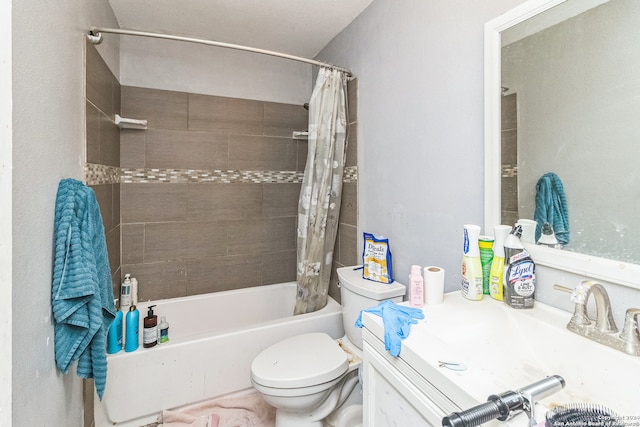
point(193, 234)
point(103, 149)
point(207, 197)
point(509, 158)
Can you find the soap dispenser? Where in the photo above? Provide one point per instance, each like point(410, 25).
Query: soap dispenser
point(150, 332)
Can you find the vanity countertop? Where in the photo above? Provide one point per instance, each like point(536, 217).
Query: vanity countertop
point(506, 349)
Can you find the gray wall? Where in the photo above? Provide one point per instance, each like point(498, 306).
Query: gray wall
point(48, 145)
point(420, 119)
point(421, 139)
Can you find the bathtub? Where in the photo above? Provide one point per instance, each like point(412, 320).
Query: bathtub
point(213, 339)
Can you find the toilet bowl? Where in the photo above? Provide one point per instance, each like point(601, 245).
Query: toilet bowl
point(311, 378)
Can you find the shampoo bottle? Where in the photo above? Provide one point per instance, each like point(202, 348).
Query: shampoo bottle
point(416, 287)
point(471, 265)
point(163, 331)
point(134, 291)
point(125, 294)
point(114, 336)
point(132, 321)
point(497, 264)
point(150, 331)
point(519, 283)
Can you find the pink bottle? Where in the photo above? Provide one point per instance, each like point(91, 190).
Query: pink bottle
point(416, 287)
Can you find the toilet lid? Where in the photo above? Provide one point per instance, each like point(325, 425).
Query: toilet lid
point(300, 361)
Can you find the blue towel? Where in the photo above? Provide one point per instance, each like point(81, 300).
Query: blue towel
point(81, 293)
point(397, 321)
point(551, 207)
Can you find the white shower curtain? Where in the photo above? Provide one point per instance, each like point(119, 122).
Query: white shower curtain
point(319, 204)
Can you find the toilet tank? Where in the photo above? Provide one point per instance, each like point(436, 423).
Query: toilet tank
point(357, 294)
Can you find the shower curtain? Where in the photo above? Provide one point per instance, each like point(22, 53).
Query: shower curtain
point(319, 204)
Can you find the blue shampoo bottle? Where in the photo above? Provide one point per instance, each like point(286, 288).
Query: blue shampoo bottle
point(132, 326)
point(114, 336)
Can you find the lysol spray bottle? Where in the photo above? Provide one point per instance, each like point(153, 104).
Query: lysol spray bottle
point(519, 283)
point(497, 264)
point(471, 265)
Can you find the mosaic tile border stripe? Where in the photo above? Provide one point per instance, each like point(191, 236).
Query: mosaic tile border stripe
point(218, 176)
point(100, 174)
point(509, 171)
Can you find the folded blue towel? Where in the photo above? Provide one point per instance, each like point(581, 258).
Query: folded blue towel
point(551, 207)
point(397, 321)
point(81, 293)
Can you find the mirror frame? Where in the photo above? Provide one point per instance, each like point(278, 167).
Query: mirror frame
point(607, 270)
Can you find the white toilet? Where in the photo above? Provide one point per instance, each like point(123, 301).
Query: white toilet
point(308, 377)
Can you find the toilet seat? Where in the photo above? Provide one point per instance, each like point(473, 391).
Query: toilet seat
point(300, 361)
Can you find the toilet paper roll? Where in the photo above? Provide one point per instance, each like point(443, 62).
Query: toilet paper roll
point(433, 285)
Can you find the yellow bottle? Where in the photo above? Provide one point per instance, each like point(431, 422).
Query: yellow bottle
point(497, 264)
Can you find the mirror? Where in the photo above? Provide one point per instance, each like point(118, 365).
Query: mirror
point(565, 75)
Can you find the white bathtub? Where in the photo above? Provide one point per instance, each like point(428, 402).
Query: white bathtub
point(212, 340)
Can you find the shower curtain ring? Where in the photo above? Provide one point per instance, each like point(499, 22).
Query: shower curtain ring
point(94, 37)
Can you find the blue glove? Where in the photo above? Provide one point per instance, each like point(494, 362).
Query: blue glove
point(397, 321)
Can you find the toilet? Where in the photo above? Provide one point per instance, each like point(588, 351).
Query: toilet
point(313, 380)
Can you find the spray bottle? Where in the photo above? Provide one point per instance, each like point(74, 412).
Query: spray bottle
point(497, 264)
point(471, 265)
point(519, 283)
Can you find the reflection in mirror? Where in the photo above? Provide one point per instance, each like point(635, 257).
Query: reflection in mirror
point(571, 106)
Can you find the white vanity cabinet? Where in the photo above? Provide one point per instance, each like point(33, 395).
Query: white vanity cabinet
point(395, 394)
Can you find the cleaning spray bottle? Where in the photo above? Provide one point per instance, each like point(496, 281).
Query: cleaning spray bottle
point(485, 244)
point(519, 283)
point(471, 265)
point(132, 322)
point(497, 264)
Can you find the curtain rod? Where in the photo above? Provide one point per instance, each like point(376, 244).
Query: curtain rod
point(95, 37)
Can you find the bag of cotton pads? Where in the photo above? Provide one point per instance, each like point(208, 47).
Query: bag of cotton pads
point(377, 259)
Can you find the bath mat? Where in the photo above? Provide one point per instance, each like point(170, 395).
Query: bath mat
point(249, 410)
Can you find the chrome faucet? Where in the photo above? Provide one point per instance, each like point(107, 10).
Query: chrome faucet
point(603, 329)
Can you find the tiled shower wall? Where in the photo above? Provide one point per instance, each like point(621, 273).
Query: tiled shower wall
point(205, 199)
point(509, 159)
point(209, 192)
point(102, 168)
